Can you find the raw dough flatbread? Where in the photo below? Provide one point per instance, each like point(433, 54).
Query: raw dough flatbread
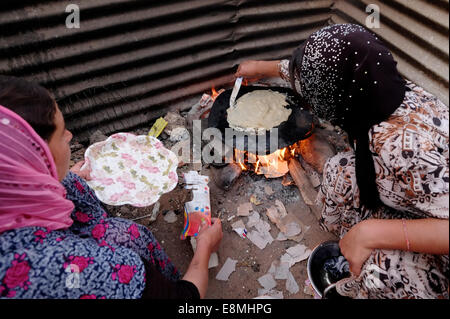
point(259, 110)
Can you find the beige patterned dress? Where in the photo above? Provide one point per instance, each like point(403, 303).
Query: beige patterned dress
point(411, 155)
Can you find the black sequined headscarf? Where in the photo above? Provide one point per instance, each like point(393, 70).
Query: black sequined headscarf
point(348, 77)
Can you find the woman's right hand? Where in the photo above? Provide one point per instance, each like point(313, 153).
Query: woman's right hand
point(248, 69)
point(254, 70)
point(211, 236)
point(208, 241)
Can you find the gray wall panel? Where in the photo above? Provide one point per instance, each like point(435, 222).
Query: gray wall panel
point(133, 60)
point(416, 31)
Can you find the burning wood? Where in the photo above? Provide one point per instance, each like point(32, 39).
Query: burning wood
point(274, 165)
point(304, 185)
point(202, 109)
point(271, 166)
point(316, 151)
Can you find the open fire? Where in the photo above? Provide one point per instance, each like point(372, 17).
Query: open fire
point(273, 165)
point(285, 161)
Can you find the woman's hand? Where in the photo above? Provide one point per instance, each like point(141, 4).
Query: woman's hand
point(249, 69)
point(355, 247)
point(208, 241)
point(85, 174)
point(254, 70)
point(210, 236)
point(427, 236)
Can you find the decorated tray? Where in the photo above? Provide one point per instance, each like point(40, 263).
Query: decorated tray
point(130, 169)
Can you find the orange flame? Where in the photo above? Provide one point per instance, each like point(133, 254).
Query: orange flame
point(214, 94)
point(269, 165)
point(240, 158)
point(272, 165)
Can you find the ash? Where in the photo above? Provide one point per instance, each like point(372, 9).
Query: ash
point(257, 183)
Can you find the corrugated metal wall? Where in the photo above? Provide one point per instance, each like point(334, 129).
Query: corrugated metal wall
point(131, 60)
point(416, 31)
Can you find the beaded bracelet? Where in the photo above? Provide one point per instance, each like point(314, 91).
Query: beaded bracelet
point(405, 232)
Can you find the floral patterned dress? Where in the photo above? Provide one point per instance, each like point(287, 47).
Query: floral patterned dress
point(411, 156)
point(97, 257)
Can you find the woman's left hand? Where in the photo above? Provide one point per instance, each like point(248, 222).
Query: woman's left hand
point(355, 247)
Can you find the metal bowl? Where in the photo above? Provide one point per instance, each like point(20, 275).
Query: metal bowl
point(322, 279)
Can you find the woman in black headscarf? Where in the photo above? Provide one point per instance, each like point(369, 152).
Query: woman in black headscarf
point(387, 198)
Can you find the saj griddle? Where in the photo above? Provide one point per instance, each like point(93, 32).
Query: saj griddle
point(299, 125)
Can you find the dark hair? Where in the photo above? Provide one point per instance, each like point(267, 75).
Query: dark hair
point(31, 101)
point(295, 63)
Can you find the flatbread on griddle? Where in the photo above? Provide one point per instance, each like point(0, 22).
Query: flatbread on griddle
point(259, 110)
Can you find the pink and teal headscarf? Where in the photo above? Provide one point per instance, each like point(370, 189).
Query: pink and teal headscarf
point(30, 192)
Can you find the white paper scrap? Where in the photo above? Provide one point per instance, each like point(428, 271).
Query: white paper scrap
point(227, 269)
point(256, 238)
point(263, 229)
point(262, 226)
point(213, 261)
point(295, 254)
point(292, 229)
point(286, 258)
point(244, 209)
point(267, 281)
point(239, 228)
point(269, 294)
point(242, 232)
point(299, 251)
point(281, 237)
point(238, 224)
point(291, 284)
point(253, 219)
point(272, 268)
point(282, 270)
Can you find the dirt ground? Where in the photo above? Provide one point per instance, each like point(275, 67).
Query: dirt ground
point(252, 262)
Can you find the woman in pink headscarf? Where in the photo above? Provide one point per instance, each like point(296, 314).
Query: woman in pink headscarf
point(56, 240)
